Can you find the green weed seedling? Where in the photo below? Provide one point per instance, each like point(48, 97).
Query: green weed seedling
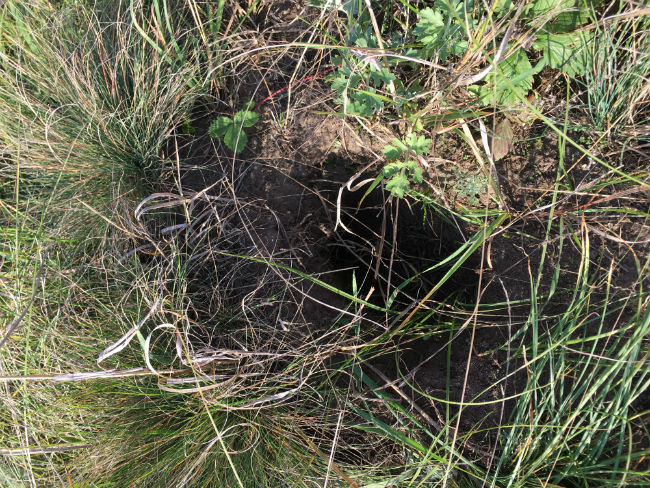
point(401, 170)
point(470, 186)
point(359, 94)
point(230, 129)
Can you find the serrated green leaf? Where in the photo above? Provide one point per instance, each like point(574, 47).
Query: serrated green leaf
point(415, 171)
point(394, 151)
point(419, 144)
point(364, 103)
point(416, 175)
point(430, 27)
point(393, 168)
point(339, 83)
point(235, 139)
point(568, 21)
point(456, 10)
point(245, 118)
point(346, 79)
point(251, 119)
point(459, 47)
point(398, 185)
point(440, 35)
point(391, 152)
point(219, 126)
point(411, 165)
point(502, 7)
point(518, 69)
point(381, 76)
point(360, 108)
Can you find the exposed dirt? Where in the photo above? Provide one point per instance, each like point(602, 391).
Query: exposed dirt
point(290, 184)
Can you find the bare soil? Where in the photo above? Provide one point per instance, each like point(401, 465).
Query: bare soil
point(294, 174)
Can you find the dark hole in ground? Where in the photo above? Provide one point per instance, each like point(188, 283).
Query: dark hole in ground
point(394, 243)
point(287, 188)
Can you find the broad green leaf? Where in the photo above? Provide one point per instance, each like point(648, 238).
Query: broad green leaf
point(566, 52)
point(569, 21)
point(219, 126)
point(245, 118)
point(235, 139)
point(251, 119)
point(518, 70)
point(512, 79)
point(566, 15)
point(543, 7)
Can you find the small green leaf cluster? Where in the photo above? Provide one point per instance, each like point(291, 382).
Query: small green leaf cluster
point(401, 170)
point(470, 186)
point(230, 129)
point(361, 77)
point(443, 31)
point(358, 89)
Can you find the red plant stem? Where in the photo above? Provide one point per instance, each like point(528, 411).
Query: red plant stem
point(291, 85)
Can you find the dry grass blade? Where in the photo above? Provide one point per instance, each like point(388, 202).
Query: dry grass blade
point(39, 451)
point(124, 341)
point(13, 325)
